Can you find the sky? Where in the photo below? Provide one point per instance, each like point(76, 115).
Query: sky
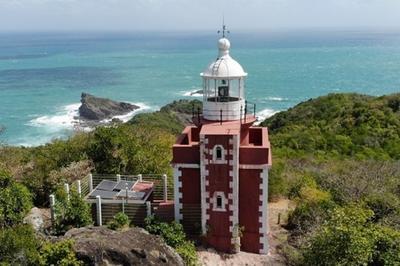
point(169, 15)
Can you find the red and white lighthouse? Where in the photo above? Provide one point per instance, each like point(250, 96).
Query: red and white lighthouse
point(221, 164)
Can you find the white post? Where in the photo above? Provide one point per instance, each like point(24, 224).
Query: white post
point(52, 210)
point(148, 208)
point(66, 188)
point(118, 177)
point(164, 177)
point(140, 177)
point(90, 183)
point(98, 206)
point(78, 183)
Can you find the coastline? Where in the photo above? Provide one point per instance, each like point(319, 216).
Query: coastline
point(64, 122)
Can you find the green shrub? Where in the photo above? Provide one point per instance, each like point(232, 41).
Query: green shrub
point(347, 239)
point(292, 255)
point(19, 246)
point(72, 213)
point(60, 254)
point(312, 209)
point(387, 247)
point(172, 233)
point(187, 251)
point(276, 184)
point(384, 206)
point(120, 220)
point(15, 201)
point(299, 184)
point(173, 236)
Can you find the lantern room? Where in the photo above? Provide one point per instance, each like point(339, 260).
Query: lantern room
point(223, 87)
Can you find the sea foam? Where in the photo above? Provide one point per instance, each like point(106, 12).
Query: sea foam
point(276, 99)
point(67, 118)
point(126, 117)
point(193, 93)
point(264, 114)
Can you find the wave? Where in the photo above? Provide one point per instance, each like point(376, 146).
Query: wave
point(64, 118)
point(264, 114)
point(64, 121)
point(126, 117)
point(276, 99)
point(195, 92)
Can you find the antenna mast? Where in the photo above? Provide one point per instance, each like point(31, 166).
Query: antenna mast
point(224, 30)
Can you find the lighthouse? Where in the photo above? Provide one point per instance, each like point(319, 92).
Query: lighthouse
point(221, 163)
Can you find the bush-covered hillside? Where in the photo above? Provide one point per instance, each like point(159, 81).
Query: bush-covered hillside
point(336, 157)
point(342, 124)
point(171, 117)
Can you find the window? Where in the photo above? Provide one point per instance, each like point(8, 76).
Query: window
point(218, 153)
point(219, 202)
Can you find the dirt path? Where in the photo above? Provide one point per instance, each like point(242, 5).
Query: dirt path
point(277, 235)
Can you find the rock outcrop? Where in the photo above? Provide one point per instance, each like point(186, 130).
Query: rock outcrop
point(97, 109)
point(39, 219)
point(135, 246)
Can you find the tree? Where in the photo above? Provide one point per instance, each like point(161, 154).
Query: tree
point(15, 201)
point(348, 238)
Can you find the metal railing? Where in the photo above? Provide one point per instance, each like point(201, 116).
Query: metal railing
point(249, 109)
point(104, 210)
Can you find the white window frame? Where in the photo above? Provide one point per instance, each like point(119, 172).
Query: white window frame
point(215, 160)
point(223, 199)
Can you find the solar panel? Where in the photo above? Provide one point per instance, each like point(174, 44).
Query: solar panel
point(131, 194)
point(123, 184)
point(106, 185)
point(104, 194)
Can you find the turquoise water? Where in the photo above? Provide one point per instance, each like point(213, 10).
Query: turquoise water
point(43, 75)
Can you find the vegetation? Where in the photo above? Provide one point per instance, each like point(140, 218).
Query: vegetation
point(123, 149)
point(120, 221)
point(19, 243)
point(15, 201)
point(337, 157)
point(174, 236)
point(71, 211)
point(60, 253)
point(354, 125)
point(350, 238)
point(172, 117)
point(19, 246)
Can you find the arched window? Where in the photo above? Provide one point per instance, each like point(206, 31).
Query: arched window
point(219, 201)
point(218, 153)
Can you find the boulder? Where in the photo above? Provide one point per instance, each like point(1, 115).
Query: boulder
point(97, 109)
point(39, 219)
point(134, 246)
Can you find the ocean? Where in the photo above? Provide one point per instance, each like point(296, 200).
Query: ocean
point(42, 75)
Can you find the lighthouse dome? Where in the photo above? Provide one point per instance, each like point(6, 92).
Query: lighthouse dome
point(225, 66)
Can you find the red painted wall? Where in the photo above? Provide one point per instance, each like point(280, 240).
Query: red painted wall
point(218, 177)
point(190, 186)
point(191, 203)
point(253, 155)
point(249, 195)
point(186, 154)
